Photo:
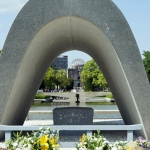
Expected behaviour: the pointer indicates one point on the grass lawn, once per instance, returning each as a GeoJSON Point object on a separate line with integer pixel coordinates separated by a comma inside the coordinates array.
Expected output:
{"type": "Point", "coordinates": [100, 103]}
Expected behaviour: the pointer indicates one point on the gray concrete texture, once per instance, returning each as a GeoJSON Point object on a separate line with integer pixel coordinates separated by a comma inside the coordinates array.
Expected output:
{"type": "Point", "coordinates": [45, 29]}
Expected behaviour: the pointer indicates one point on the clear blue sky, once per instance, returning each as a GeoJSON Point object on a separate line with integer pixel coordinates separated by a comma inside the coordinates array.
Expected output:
{"type": "Point", "coordinates": [137, 13]}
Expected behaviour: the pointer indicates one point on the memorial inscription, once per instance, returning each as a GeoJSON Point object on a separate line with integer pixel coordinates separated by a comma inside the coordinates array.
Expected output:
{"type": "Point", "coordinates": [73, 116]}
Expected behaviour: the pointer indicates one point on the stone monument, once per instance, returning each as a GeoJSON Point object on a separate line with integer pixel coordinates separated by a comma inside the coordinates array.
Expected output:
{"type": "Point", "coordinates": [45, 29]}
{"type": "Point", "coordinates": [73, 116]}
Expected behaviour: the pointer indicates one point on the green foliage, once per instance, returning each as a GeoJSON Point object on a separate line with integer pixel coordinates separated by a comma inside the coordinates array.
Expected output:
{"type": "Point", "coordinates": [43, 139]}
{"type": "Point", "coordinates": [96, 141]}
{"type": "Point", "coordinates": [88, 86]}
{"type": "Point", "coordinates": [68, 84]}
{"type": "Point", "coordinates": [61, 76]}
{"type": "Point", "coordinates": [53, 66]}
{"type": "Point", "coordinates": [110, 96]}
{"type": "Point", "coordinates": [40, 96]}
{"type": "Point", "coordinates": [100, 103]}
{"type": "Point", "coordinates": [62, 81]}
{"type": "Point", "coordinates": [146, 62]}
{"type": "Point", "coordinates": [92, 77]}
{"type": "Point", "coordinates": [49, 78]}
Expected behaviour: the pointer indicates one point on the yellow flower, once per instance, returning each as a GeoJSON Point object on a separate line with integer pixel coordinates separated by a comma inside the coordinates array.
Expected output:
{"type": "Point", "coordinates": [43, 139]}
{"type": "Point", "coordinates": [55, 146]}
{"type": "Point", "coordinates": [83, 138]}
{"type": "Point", "coordinates": [43, 142]}
{"type": "Point", "coordinates": [129, 148]}
{"type": "Point", "coordinates": [54, 141]}
{"type": "Point", "coordinates": [44, 146]}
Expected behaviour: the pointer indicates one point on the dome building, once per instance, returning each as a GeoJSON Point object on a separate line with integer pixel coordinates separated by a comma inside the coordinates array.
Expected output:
{"type": "Point", "coordinates": [74, 72]}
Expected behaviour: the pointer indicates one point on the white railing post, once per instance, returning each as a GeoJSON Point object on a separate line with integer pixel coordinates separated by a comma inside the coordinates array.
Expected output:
{"type": "Point", "coordinates": [89, 133]}
{"type": "Point", "coordinates": [129, 135]}
{"type": "Point", "coordinates": [7, 135]}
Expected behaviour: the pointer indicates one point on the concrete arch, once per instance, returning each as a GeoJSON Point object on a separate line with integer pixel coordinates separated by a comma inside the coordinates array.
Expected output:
{"type": "Point", "coordinates": [45, 29]}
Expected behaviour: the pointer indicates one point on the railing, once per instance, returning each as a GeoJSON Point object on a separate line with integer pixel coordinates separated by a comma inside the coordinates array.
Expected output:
{"type": "Point", "coordinates": [95, 112]}
{"type": "Point", "coordinates": [87, 128]}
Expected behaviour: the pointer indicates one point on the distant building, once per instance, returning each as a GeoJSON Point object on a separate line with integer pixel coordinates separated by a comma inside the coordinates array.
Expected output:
{"type": "Point", "coordinates": [61, 62]}
{"type": "Point", "coordinates": [74, 72]}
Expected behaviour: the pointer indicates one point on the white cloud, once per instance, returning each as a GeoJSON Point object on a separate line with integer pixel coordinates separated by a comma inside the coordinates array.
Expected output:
{"type": "Point", "coordinates": [11, 5]}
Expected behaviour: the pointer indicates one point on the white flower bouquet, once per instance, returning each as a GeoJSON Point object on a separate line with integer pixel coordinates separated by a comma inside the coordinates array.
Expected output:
{"type": "Point", "coordinates": [119, 145]}
{"type": "Point", "coordinates": [44, 139]}
{"type": "Point", "coordinates": [98, 142]}
{"type": "Point", "coordinates": [95, 142]}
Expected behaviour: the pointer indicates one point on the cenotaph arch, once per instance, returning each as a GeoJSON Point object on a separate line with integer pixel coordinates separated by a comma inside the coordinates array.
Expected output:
{"type": "Point", "coordinates": [45, 29]}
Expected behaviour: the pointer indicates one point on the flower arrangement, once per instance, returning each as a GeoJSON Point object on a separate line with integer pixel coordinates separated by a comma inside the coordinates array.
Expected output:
{"type": "Point", "coordinates": [98, 142]}
{"type": "Point", "coordinates": [19, 142]}
{"type": "Point", "coordinates": [95, 142]}
{"type": "Point", "coordinates": [44, 139]}
{"type": "Point", "coordinates": [119, 145]}
{"type": "Point", "coordinates": [143, 142]}
{"type": "Point", "coordinates": [47, 139]}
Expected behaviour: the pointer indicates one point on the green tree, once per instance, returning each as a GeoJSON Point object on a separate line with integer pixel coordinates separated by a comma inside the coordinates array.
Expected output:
{"type": "Point", "coordinates": [61, 76]}
{"type": "Point", "coordinates": [146, 62]}
{"type": "Point", "coordinates": [68, 84]}
{"type": "Point", "coordinates": [53, 66]}
{"type": "Point", "coordinates": [49, 78]}
{"type": "Point", "coordinates": [102, 81]}
{"type": "Point", "coordinates": [92, 77]}
{"type": "Point", "coordinates": [0, 52]}
{"type": "Point", "coordinates": [59, 79]}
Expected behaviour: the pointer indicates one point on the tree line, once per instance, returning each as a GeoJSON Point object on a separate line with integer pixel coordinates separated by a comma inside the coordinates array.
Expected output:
{"type": "Point", "coordinates": [91, 76]}
{"type": "Point", "coordinates": [57, 80]}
